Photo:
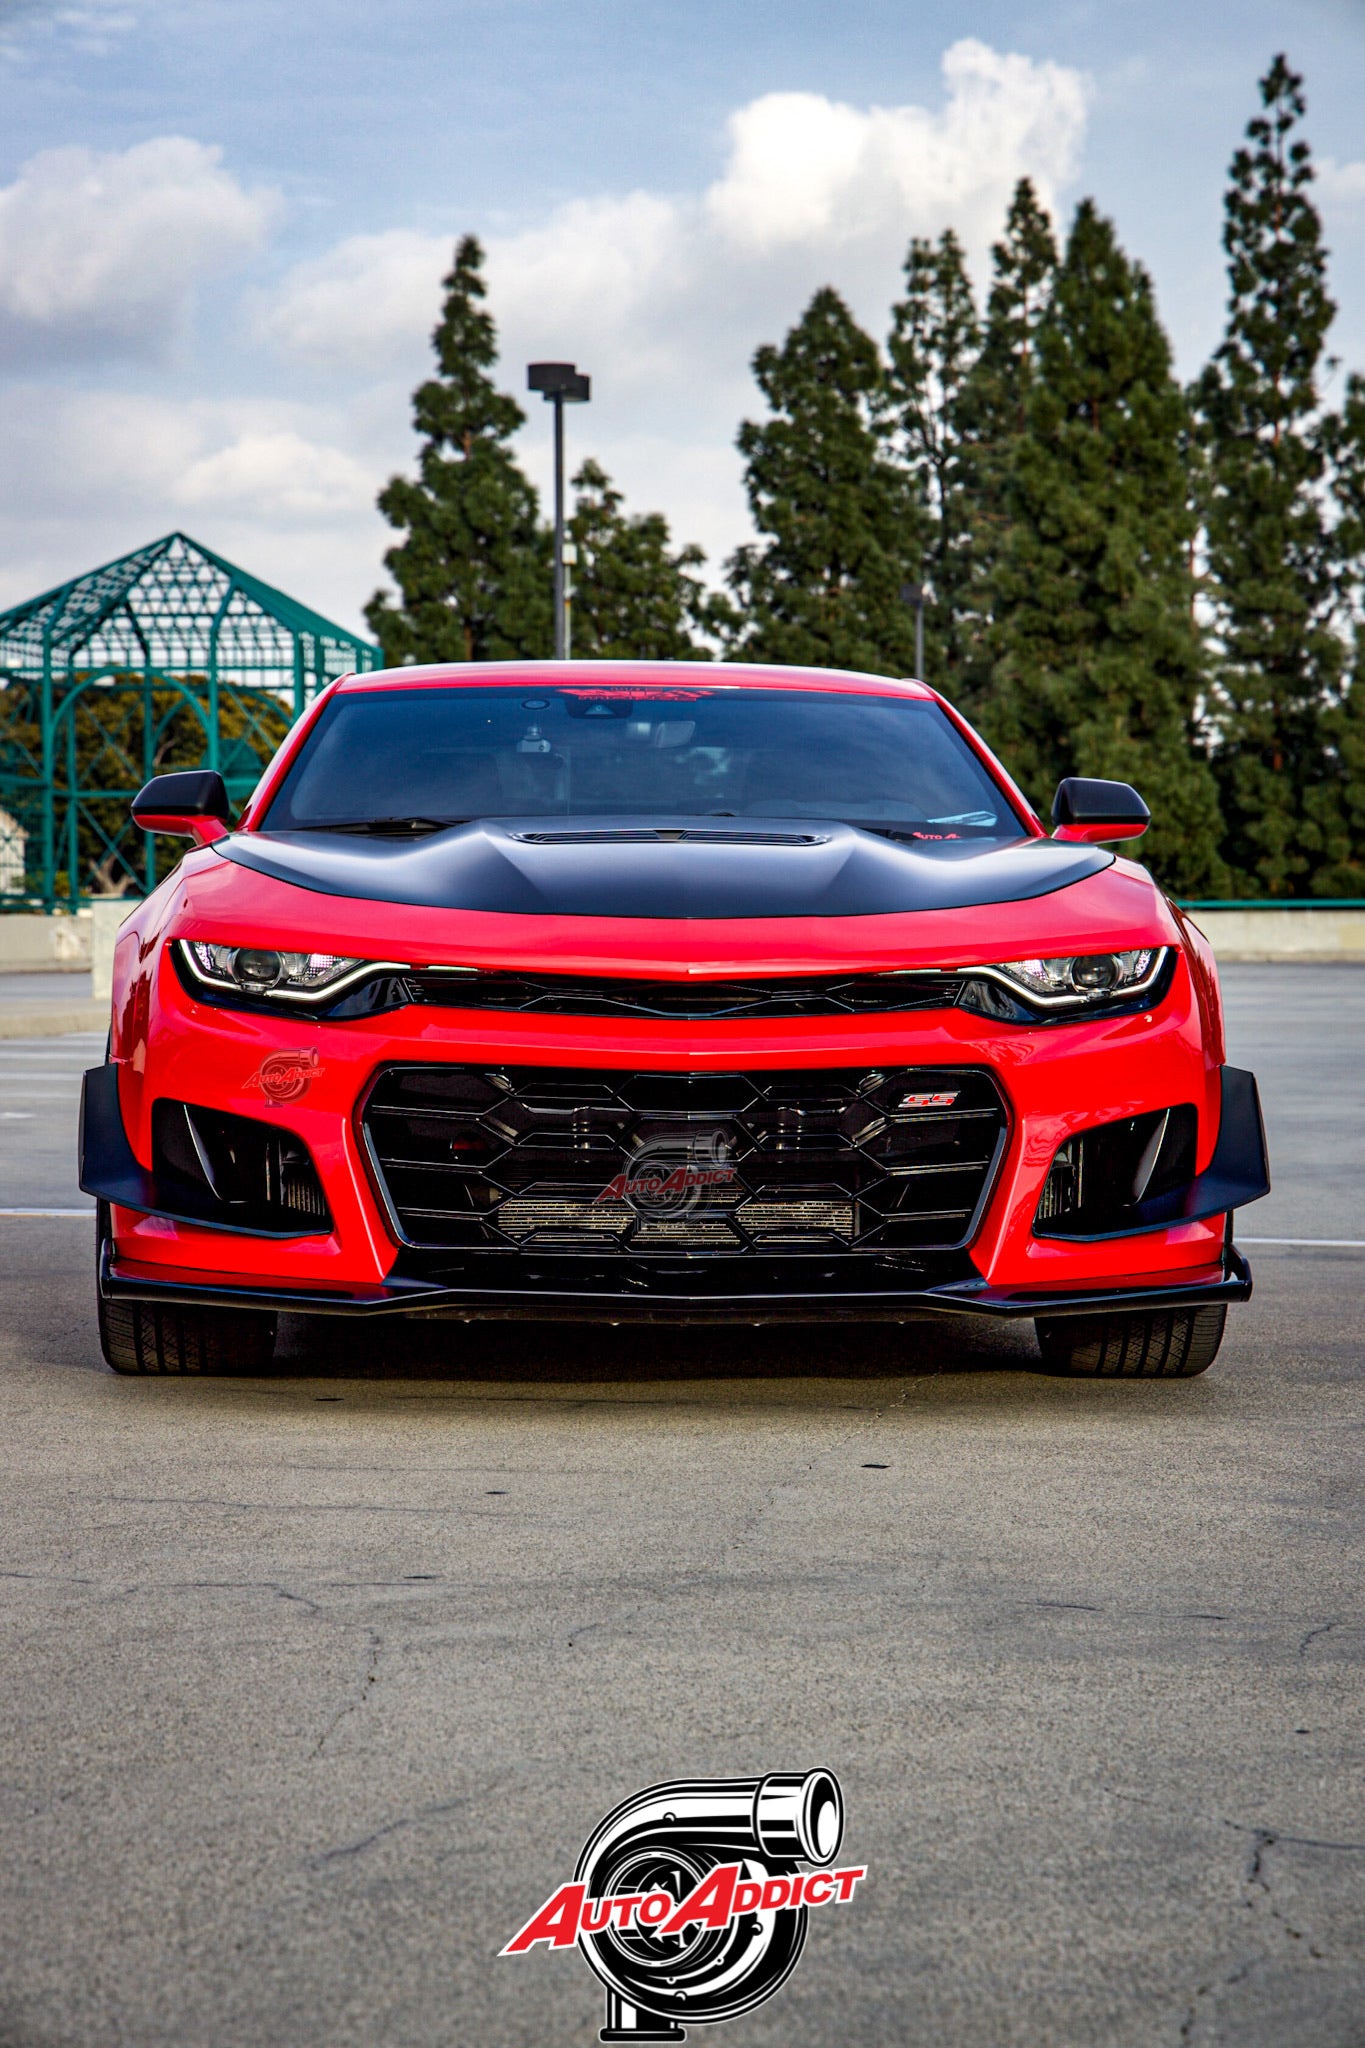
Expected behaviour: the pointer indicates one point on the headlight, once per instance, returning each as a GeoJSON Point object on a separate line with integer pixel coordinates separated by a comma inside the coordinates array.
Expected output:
{"type": "Point", "coordinates": [262, 971]}
{"type": "Point", "coordinates": [1071, 982]}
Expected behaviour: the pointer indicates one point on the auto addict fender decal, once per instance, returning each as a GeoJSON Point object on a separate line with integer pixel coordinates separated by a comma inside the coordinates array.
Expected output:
{"type": "Point", "coordinates": [285, 1076]}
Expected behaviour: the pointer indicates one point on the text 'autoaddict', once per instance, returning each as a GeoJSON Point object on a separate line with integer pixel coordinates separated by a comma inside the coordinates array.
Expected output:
{"type": "Point", "coordinates": [722, 1897]}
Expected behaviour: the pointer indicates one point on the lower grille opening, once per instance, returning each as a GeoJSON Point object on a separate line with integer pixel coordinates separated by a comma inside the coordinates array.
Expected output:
{"type": "Point", "coordinates": [1125, 1175]}
{"type": "Point", "coordinates": [254, 1173]}
{"type": "Point", "coordinates": [740, 1165]}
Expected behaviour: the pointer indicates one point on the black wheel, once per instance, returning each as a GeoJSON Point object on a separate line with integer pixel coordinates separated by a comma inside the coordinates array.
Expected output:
{"type": "Point", "coordinates": [1173, 1344]}
{"type": "Point", "coordinates": [149, 1336]}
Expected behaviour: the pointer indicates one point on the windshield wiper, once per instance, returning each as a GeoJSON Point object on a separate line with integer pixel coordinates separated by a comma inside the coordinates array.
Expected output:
{"type": "Point", "coordinates": [388, 828]}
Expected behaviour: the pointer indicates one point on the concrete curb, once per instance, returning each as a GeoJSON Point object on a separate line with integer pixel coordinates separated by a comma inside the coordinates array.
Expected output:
{"type": "Point", "coordinates": [17, 1022]}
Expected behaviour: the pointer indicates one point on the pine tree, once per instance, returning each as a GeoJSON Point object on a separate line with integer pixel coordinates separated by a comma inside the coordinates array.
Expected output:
{"type": "Point", "coordinates": [1271, 554]}
{"type": "Point", "coordinates": [1336, 805]}
{"type": "Point", "coordinates": [635, 597]}
{"type": "Point", "coordinates": [991, 417]}
{"type": "Point", "coordinates": [823, 588]}
{"type": "Point", "coordinates": [994, 402]}
{"type": "Point", "coordinates": [1099, 668]}
{"type": "Point", "coordinates": [473, 574]}
{"type": "Point", "coordinates": [932, 350]}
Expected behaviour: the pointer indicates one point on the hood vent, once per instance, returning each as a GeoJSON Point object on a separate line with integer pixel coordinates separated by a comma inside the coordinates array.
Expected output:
{"type": "Point", "coordinates": [655, 835]}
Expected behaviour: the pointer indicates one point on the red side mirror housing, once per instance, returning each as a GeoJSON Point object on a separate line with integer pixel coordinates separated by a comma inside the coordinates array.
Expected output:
{"type": "Point", "coordinates": [1093, 812]}
{"type": "Point", "coordinates": [191, 805]}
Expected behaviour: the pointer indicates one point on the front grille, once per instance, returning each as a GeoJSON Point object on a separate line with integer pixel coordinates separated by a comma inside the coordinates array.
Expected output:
{"type": "Point", "coordinates": [611, 996]}
{"type": "Point", "coordinates": [791, 1162]}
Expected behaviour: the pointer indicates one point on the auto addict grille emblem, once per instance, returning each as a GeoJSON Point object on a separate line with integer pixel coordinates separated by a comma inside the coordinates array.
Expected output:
{"type": "Point", "coordinates": [943, 1099]}
{"type": "Point", "coordinates": [690, 1902]}
{"type": "Point", "coordinates": [667, 1177]}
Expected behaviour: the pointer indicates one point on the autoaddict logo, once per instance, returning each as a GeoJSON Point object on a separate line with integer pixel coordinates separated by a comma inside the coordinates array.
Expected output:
{"type": "Point", "coordinates": [585, 695]}
{"type": "Point", "coordinates": [285, 1076]}
{"type": "Point", "coordinates": [669, 1177]}
{"type": "Point", "coordinates": [690, 1903]}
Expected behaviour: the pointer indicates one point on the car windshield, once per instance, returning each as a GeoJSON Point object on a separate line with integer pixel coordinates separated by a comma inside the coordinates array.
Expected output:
{"type": "Point", "coordinates": [421, 758]}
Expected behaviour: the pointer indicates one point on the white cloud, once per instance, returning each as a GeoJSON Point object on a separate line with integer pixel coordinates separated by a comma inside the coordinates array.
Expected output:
{"type": "Point", "coordinates": [279, 473]}
{"type": "Point", "coordinates": [369, 298]}
{"type": "Point", "coordinates": [808, 170]}
{"type": "Point", "coordinates": [91, 25]}
{"type": "Point", "coordinates": [273, 486]}
{"type": "Point", "coordinates": [1340, 184]}
{"type": "Point", "coordinates": [100, 253]}
{"type": "Point", "coordinates": [813, 191]}
{"type": "Point", "coordinates": [663, 297]}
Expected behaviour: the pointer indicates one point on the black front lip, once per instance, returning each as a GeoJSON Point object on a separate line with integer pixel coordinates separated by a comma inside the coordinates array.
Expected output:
{"type": "Point", "coordinates": [952, 1298]}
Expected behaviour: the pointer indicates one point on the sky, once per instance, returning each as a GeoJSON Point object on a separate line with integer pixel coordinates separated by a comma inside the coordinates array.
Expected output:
{"type": "Point", "coordinates": [224, 223]}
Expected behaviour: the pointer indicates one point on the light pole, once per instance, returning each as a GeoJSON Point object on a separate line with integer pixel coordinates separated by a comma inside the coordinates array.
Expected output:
{"type": "Point", "coordinates": [919, 595]}
{"type": "Point", "coordinates": [560, 384]}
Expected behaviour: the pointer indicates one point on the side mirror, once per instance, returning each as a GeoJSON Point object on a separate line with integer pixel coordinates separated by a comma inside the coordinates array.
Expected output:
{"type": "Point", "coordinates": [1092, 812]}
{"type": "Point", "coordinates": [193, 805]}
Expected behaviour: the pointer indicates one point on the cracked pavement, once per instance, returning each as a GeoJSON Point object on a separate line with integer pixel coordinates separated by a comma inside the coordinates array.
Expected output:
{"type": "Point", "coordinates": [313, 1685]}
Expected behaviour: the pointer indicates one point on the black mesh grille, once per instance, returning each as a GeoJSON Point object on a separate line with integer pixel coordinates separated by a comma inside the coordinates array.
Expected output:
{"type": "Point", "coordinates": [896, 1159]}
{"type": "Point", "coordinates": [611, 996]}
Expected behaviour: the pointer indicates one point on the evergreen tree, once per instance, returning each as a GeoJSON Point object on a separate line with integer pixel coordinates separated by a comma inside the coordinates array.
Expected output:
{"type": "Point", "coordinates": [991, 417]}
{"type": "Point", "coordinates": [635, 597]}
{"type": "Point", "coordinates": [823, 587]}
{"type": "Point", "coordinates": [473, 574]}
{"type": "Point", "coordinates": [1336, 808]}
{"type": "Point", "coordinates": [1336, 805]}
{"type": "Point", "coordinates": [994, 404]}
{"type": "Point", "coordinates": [1099, 668]}
{"type": "Point", "coordinates": [932, 349]}
{"type": "Point", "coordinates": [1271, 554]}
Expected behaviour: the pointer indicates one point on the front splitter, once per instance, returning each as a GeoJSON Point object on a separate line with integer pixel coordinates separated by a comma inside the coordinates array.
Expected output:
{"type": "Point", "coordinates": [475, 1304]}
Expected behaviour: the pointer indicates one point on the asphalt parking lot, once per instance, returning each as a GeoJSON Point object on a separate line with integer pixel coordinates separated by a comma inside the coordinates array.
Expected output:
{"type": "Point", "coordinates": [305, 1713]}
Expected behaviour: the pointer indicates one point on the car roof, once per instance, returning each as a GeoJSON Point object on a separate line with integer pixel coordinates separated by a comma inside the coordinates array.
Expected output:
{"type": "Point", "coordinates": [647, 675]}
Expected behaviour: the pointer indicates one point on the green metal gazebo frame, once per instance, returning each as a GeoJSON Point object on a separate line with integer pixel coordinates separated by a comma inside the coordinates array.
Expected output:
{"type": "Point", "coordinates": [168, 657]}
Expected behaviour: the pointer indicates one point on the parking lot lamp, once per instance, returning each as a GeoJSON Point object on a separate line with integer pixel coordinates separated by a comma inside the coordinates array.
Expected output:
{"type": "Point", "coordinates": [560, 384]}
{"type": "Point", "coordinates": [919, 595]}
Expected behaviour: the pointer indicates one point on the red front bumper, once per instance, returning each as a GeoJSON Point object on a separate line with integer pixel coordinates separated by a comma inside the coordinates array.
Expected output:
{"type": "Point", "coordinates": [1055, 1079]}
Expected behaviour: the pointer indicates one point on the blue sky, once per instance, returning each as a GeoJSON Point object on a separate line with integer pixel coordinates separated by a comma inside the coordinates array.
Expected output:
{"type": "Point", "coordinates": [223, 224]}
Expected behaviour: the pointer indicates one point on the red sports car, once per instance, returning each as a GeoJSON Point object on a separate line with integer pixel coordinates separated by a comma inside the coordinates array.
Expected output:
{"type": "Point", "coordinates": [667, 992]}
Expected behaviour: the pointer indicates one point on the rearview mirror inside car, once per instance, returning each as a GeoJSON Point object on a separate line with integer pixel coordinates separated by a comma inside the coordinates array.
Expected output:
{"type": "Point", "coordinates": [1091, 811]}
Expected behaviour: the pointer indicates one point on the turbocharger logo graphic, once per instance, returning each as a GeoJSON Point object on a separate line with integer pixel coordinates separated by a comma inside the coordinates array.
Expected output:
{"type": "Point", "coordinates": [689, 1900]}
{"type": "Point", "coordinates": [285, 1076]}
{"type": "Point", "coordinates": [669, 1178]}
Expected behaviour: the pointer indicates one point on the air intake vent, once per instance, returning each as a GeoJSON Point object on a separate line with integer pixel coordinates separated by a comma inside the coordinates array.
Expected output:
{"type": "Point", "coordinates": [253, 1174]}
{"type": "Point", "coordinates": [669, 835]}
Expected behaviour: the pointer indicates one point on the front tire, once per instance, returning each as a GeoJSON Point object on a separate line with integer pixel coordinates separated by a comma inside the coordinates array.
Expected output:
{"type": "Point", "coordinates": [157, 1337]}
{"type": "Point", "coordinates": [1172, 1344]}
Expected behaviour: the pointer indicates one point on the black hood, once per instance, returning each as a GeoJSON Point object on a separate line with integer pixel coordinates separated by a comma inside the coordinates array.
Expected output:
{"type": "Point", "coordinates": [623, 867]}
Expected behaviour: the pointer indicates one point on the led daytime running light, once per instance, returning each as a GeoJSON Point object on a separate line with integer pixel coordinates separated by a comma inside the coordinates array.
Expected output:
{"type": "Point", "coordinates": [281, 975]}
{"type": "Point", "coordinates": [1081, 980]}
